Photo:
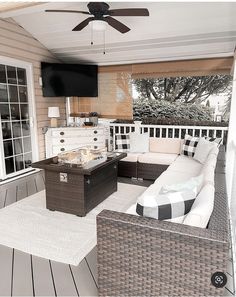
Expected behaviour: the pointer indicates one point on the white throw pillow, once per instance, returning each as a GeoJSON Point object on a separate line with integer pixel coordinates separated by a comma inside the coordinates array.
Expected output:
{"type": "Point", "coordinates": [202, 208]}
{"type": "Point", "coordinates": [203, 149]}
{"type": "Point", "coordinates": [193, 182]}
{"type": "Point", "coordinates": [139, 143]}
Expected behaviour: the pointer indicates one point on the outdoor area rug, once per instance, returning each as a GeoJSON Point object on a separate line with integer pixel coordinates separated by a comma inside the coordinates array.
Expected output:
{"type": "Point", "coordinates": [29, 227]}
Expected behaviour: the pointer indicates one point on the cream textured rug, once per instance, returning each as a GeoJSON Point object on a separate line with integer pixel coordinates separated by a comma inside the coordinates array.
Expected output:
{"type": "Point", "coordinates": [29, 227]}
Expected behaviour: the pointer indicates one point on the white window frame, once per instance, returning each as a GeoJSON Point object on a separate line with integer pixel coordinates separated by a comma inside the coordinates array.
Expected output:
{"type": "Point", "coordinates": [32, 115]}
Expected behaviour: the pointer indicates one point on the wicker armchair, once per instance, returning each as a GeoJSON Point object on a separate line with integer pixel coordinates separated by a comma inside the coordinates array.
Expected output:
{"type": "Point", "coordinates": [139, 256]}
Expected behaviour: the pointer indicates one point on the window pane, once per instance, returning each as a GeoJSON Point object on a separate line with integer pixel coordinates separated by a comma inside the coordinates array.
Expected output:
{"type": "Point", "coordinates": [6, 130]}
{"type": "Point", "coordinates": [24, 111]}
{"type": "Point", "coordinates": [2, 74]}
{"type": "Point", "coordinates": [16, 129]}
{"type": "Point", "coordinates": [9, 165]}
{"type": "Point", "coordinates": [11, 74]}
{"type": "Point", "coordinates": [19, 163]}
{"type": "Point", "coordinates": [3, 93]}
{"type": "Point", "coordinates": [13, 94]}
{"type": "Point", "coordinates": [25, 128]}
{"type": "Point", "coordinates": [4, 111]}
{"type": "Point", "coordinates": [27, 144]}
{"type": "Point", "coordinates": [18, 149]}
{"type": "Point", "coordinates": [23, 94]}
{"type": "Point", "coordinates": [8, 150]}
{"type": "Point", "coordinates": [21, 73]}
{"type": "Point", "coordinates": [28, 160]}
{"type": "Point", "coordinates": [15, 112]}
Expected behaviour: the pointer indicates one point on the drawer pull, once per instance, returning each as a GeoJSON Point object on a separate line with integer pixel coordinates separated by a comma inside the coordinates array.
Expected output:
{"type": "Point", "coordinates": [95, 139]}
{"type": "Point", "coordinates": [62, 140]}
{"type": "Point", "coordinates": [62, 133]}
{"type": "Point", "coordinates": [95, 132]}
{"type": "Point", "coordinates": [95, 147]}
{"type": "Point", "coordinates": [62, 149]}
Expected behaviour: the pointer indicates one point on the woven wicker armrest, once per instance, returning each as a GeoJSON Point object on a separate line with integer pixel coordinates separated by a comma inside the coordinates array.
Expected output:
{"type": "Point", "coordinates": [139, 256]}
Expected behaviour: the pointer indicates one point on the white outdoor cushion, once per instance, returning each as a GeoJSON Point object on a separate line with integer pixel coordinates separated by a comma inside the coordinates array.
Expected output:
{"type": "Point", "coordinates": [165, 145]}
{"type": "Point", "coordinates": [166, 178]}
{"type": "Point", "coordinates": [139, 143]}
{"type": "Point", "coordinates": [203, 148]}
{"type": "Point", "coordinates": [186, 164]}
{"type": "Point", "coordinates": [193, 182]}
{"type": "Point", "coordinates": [202, 208]}
{"type": "Point", "coordinates": [157, 158]}
{"type": "Point", "coordinates": [131, 157]}
{"type": "Point", "coordinates": [209, 174]}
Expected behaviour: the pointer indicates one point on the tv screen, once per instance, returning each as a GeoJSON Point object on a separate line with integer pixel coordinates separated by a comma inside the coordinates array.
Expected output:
{"type": "Point", "coordinates": [69, 80]}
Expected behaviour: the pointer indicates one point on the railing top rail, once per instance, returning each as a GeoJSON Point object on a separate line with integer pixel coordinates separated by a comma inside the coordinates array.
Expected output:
{"type": "Point", "coordinates": [170, 126]}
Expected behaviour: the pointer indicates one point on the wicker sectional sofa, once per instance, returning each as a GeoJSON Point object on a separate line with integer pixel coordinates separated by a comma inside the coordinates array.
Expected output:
{"type": "Point", "coordinates": [140, 256]}
{"type": "Point", "coordinates": [150, 165]}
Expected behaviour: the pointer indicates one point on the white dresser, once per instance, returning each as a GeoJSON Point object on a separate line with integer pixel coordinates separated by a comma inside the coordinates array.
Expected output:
{"type": "Point", "coordinates": [58, 140]}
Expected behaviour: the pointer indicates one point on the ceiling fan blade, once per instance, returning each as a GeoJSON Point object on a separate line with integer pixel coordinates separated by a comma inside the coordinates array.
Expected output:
{"type": "Point", "coordinates": [116, 24]}
{"type": "Point", "coordinates": [83, 24]}
{"type": "Point", "coordinates": [129, 12]}
{"type": "Point", "coordinates": [70, 11]}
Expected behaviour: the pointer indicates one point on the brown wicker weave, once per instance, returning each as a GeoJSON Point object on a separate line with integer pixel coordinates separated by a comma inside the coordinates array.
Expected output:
{"type": "Point", "coordinates": [127, 169]}
{"type": "Point", "coordinates": [139, 256]}
{"type": "Point", "coordinates": [150, 171]}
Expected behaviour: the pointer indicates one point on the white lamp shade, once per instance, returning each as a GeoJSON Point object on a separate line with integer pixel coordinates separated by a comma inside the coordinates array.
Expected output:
{"type": "Point", "coordinates": [53, 112]}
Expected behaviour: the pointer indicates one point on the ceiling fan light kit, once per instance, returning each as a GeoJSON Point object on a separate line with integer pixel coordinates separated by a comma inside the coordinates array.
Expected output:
{"type": "Point", "coordinates": [98, 25]}
{"type": "Point", "coordinates": [99, 11]}
{"type": "Point", "coordinates": [100, 15]}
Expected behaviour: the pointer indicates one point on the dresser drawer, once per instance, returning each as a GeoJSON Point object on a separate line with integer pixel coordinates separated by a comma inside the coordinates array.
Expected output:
{"type": "Point", "coordinates": [77, 140]}
{"type": "Point", "coordinates": [60, 149]}
{"type": "Point", "coordinates": [77, 132]}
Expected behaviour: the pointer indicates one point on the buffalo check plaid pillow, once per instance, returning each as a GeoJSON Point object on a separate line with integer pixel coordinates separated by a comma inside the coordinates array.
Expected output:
{"type": "Point", "coordinates": [166, 206]}
{"type": "Point", "coordinates": [122, 142]}
{"type": "Point", "coordinates": [189, 145]}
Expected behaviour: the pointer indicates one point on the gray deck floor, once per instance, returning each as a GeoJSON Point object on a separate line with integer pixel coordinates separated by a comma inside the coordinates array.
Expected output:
{"type": "Point", "coordinates": [22, 274]}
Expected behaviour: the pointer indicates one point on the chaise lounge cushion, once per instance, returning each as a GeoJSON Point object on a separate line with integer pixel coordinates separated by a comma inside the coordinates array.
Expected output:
{"type": "Point", "coordinates": [157, 158]}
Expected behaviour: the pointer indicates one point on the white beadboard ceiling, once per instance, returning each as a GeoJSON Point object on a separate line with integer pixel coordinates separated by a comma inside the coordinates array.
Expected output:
{"type": "Point", "coordinates": [177, 30]}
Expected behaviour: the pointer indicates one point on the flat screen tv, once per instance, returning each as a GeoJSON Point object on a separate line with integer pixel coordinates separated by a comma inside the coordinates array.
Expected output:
{"type": "Point", "coordinates": [65, 80]}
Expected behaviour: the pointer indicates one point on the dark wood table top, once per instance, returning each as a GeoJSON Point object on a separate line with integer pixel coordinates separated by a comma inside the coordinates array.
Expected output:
{"type": "Point", "coordinates": [48, 164]}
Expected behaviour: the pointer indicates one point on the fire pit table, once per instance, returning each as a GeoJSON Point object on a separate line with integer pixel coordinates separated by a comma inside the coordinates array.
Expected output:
{"type": "Point", "coordinates": [76, 189]}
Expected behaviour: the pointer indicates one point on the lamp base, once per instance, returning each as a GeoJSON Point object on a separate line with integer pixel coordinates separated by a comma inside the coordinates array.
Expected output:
{"type": "Point", "coordinates": [53, 122]}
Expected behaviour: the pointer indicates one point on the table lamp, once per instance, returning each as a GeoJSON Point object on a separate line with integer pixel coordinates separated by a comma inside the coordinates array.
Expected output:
{"type": "Point", "coordinates": [53, 113]}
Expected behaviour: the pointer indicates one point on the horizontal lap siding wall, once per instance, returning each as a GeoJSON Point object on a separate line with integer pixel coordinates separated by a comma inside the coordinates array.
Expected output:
{"type": "Point", "coordinates": [17, 43]}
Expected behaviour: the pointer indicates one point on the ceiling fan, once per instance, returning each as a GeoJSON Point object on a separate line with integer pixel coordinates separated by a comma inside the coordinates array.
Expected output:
{"type": "Point", "coordinates": [99, 11]}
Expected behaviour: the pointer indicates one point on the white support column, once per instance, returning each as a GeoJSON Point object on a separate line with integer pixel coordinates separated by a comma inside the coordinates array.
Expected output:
{"type": "Point", "coordinates": [231, 151]}
{"type": "Point", "coordinates": [231, 167]}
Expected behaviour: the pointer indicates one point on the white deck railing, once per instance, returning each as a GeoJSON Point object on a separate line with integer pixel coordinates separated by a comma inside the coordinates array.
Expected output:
{"type": "Point", "coordinates": [169, 131]}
